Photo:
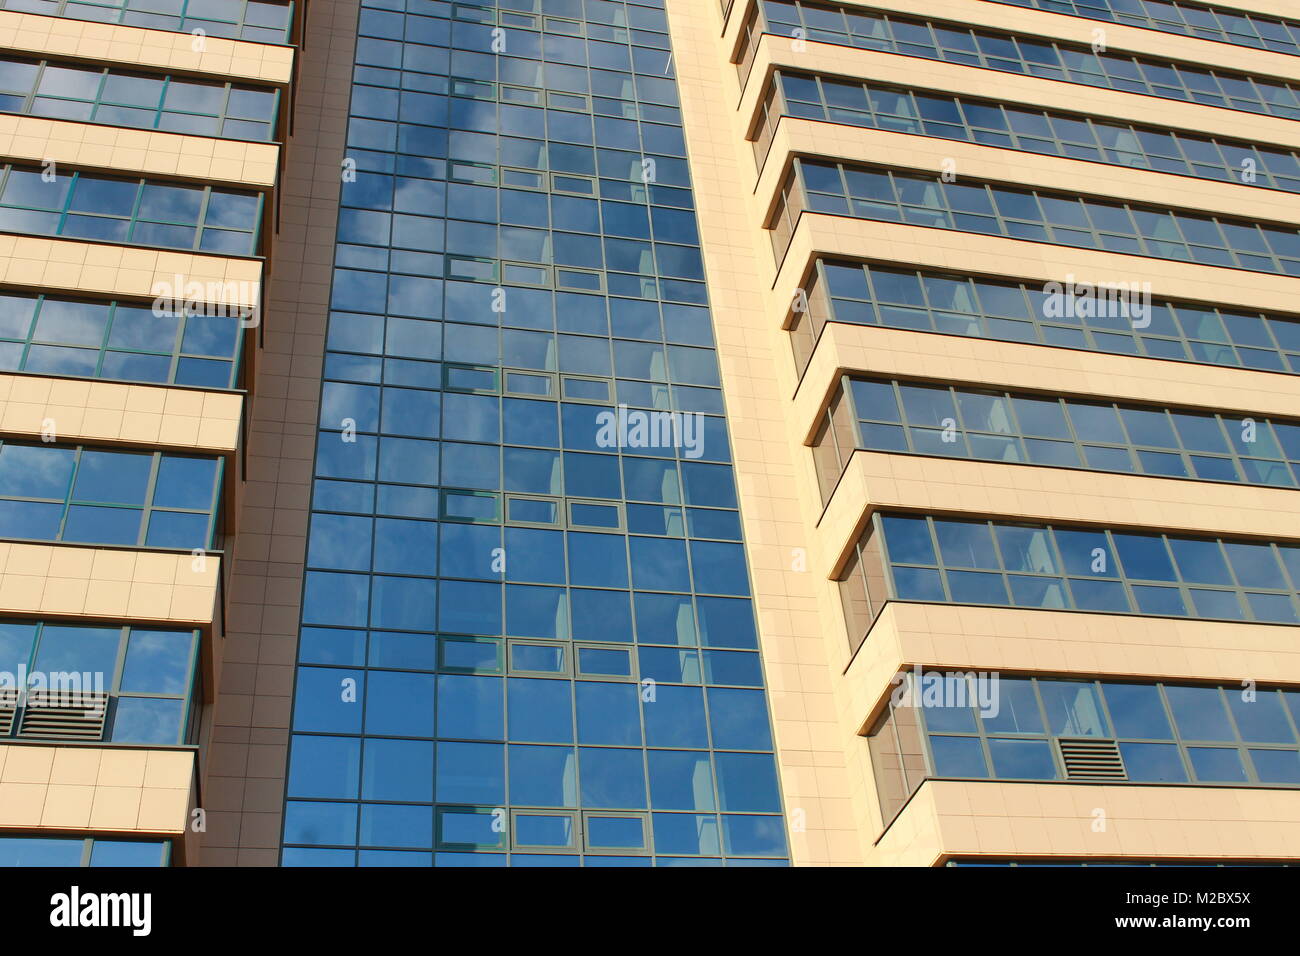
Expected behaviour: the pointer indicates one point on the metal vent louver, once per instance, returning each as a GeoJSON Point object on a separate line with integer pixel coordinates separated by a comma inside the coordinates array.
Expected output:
{"type": "Point", "coordinates": [1091, 759]}
{"type": "Point", "coordinates": [8, 708]}
{"type": "Point", "coordinates": [64, 715]}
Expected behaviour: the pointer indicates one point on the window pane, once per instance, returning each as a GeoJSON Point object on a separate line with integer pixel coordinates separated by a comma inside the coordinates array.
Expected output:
{"type": "Point", "coordinates": [1199, 713]}
{"type": "Point", "coordinates": [1137, 711]}
{"type": "Point", "coordinates": [957, 757]}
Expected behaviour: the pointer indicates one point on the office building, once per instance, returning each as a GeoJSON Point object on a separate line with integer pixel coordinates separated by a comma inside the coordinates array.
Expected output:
{"type": "Point", "coordinates": [649, 432]}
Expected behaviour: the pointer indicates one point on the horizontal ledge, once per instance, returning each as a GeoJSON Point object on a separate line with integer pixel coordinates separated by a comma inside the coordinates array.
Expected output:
{"type": "Point", "coordinates": [141, 47]}
{"type": "Point", "coordinates": [877, 481]}
{"type": "Point", "coordinates": [1001, 819]}
{"type": "Point", "coordinates": [119, 413]}
{"type": "Point", "coordinates": [822, 235]}
{"type": "Point", "coordinates": [906, 354]}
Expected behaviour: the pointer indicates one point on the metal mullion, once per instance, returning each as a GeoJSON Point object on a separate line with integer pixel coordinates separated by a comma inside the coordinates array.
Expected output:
{"type": "Point", "coordinates": [1239, 745]}
{"type": "Point", "coordinates": [1184, 589]}
{"type": "Point", "coordinates": [819, 281]}
{"type": "Point", "coordinates": [1177, 733]}
{"type": "Point", "coordinates": [892, 724]}
{"type": "Point", "coordinates": [855, 416]}
{"type": "Point", "coordinates": [1268, 325]}
{"type": "Point", "coordinates": [1290, 718]}
{"type": "Point", "coordinates": [192, 678]}
{"type": "Point", "coordinates": [1064, 574]}
{"type": "Point", "coordinates": [963, 432]}
{"type": "Point", "coordinates": [1002, 567]}
{"type": "Point", "coordinates": [67, 494]}
{"type": "Point", "coordinates": [1182, 153]}
{"type": "Point", "coordinates": [147, 506]}
{"type": "Point", "coordinates": [29, 99]}
{"type": "Point", "coordinates": [223, 112]}
{"type": "Point", "coordinates": [67, 200]}
{"type": "Point", "coordinates": [844, 186]}
{"type": "Point", "coordinates": [1019, 432]}
{"type": "Point", "coordinates": [1236, 587]}
{"type": "Point", "coordinates": [361, 738]}
{"type": "Point", "coordinates": [1119, 573]}
{"type": "Point", "coordinates": [940, 564]}
{"type": "Point", "coordinates": [182, 318]}
{"type": "Point", "coordinates": [162, 98]}
{"type": "Point", "coordinates": [966, 125]}
{"type": "Point", "coordinates": [119, 663]}
{"type": "Point", "coordinates": [1096, 142]}
{"type": "Point", "coordinates": [214, 501]}
{"type": "Point", "coordinates": [985, 749]}
{"type": "Point", "coordinates": [1233, 455]}
{"type": "Point", "coordinates": [37, 633]}
{"type": "Point", "coordinates": [923, 730]}
{"type": "Point", "coordinates": [1240, 742]}
{"type": "Point", "coordinates": [903, 419]}
{"type": "Point", "coordinates": [103, 344]}
{"type": "Point", "coordinates": [203, 215]}
{"type": "Point", "coordinates": [135, 206]}
{"type": "Point", "coordinates": [28, 337]}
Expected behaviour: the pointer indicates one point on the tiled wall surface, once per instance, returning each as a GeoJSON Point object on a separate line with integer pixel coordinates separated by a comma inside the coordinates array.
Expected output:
{"type": "Point", "coordinates": [32, 262]}
{"type": "Point", "coordinates": [117, 792]}
{"type": "Point", "coordinates": [245, 786]}
{"type": "Point", "coordinates": [906, 354]}
{"type": "Point", "coordinates": [823, 697]}
{"type": "Point", "coordinates": [117, 789]}
{"type": "Point", "coordinates": [922, 74]}
{"type": "Point", "coordinates": [112, 149]}
{"type": "Point", "coordinates": [108, 42]}
{"type": "Point", "coordinates": [119, 413]}
{"type": "Point", "coordinates": [581, 745]}
{"type": "Point", "coordinates": [904, 151]}
{"type": "Point", "coordinates": [875, 481]}
{"type": "Point", "coordinates": [1004, 18]}
{"type": "Point", "coordinates": [960, 818]}
{"type": "Point", "coordinates": [62, 580]}
{"type": "Point", "coordinates": [797, 618]}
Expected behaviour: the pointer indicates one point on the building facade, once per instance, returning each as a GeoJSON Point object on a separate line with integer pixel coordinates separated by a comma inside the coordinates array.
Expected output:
{"type": "Point", "coordinates": [649, 432]}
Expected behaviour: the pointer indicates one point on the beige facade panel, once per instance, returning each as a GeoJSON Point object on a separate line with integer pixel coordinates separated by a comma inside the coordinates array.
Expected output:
{"type": "Point", "coordinates": [821, 235]}
{"type": "Point", "coordinates": [95, 791]}
{"type": "Point", "coordinates": [245, 766]}
{"type": "Point", "coordinates": [1005, 18]}
{"type": "Point", "coordinates": [979, 83]}
{"type": "Point", "coordinates": [1279, 9]}
{"type": "Point", "coordinates": [793, 632]}
{"type": "Point", "coordinates": [820, 699]}
{"type": "Point", "coordinates": [1036, 641]}
{"type": "Point", "coordinates": [875, 481]}
{"type": "Point", "coordinates": [156, 416]}
{"type": "Point", "coordinates": [927, 155]}
{"type": "Point", "coordinates": [111, 44]}
{"type": "Point", "coordinates": [131, 586]}
{"type": "Point", "coordinates": [92, 268]}
{"type": "Point", "coordinates": [138, 152]}
{"type": "Point", "coordinates": [957, 360]}
{"type": "Point", "coordinates": [1050, 642]}
{"type": "Point", "coordinates": [947, 818]}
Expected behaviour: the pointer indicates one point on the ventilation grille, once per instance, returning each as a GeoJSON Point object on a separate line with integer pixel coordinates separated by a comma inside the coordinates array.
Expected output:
{"type": "Point", "coordinates": [8, 709]}
{"type": "Point", "coordinates": [1091, 759]}
{"type": "Point", "coordinates": [64, 715]}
